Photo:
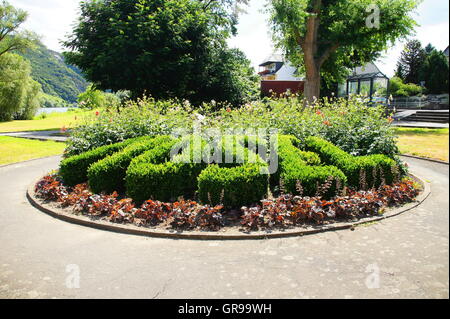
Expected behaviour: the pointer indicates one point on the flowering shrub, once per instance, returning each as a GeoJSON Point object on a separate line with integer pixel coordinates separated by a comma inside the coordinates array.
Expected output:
{"type": "Point", "coordinates": [281, 212]}
{"type": "Point", "coordinates": [352, 125]}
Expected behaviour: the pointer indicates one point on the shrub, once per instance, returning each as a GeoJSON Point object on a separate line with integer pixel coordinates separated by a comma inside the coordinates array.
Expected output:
{"type": "Point", "coordinates": [352, 125]}
{"type": "Point", "coordinates": [150, 176]}
{"type": "Point", "coordinates": [398, 88]}
{"type": "Point", "coordinates": [108, 174]}
{"type": "Point", "coordinates": [74, 169]}
{"type": "Point", "coordinates": [233, 187]}
{"type": "Point", "coordinates": [362, 172]}
{"type": "Point", "coordinates": [297, 177]}
{"type": "Point", "coordinates": [165, 182]}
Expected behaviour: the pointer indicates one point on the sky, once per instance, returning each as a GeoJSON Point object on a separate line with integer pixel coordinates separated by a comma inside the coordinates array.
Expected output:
{"type": "Point", "coordinates": [53, 21]}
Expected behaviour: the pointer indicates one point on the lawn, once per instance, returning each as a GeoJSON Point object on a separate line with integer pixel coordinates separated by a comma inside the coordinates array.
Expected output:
{"type": "Point", "coordinates": [430, 143]}
{"type": "Point", "coordinates": [13, 150]}
{"type": "Point", "coordinates": [51, 122]}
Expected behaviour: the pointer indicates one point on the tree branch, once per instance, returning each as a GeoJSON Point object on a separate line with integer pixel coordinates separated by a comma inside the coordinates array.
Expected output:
{"type": "Point", "coordinates": [326, 54]}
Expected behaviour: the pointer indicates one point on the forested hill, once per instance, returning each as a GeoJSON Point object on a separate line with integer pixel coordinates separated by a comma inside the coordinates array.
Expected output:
{"type": "Point", "coordinates": [56, 77]}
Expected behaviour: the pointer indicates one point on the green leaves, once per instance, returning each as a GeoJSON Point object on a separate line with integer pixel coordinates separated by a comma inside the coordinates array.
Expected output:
{"type": "Point", "coordinates": [340, 37]}
{"type": "Point", "coordinates": [167, 49]}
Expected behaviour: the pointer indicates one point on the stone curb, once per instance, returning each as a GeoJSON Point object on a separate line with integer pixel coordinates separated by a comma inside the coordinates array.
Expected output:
{"type": "Point", "coordinates": [197, 235]}
{"type": "Point", "coordinates": [426, 159]}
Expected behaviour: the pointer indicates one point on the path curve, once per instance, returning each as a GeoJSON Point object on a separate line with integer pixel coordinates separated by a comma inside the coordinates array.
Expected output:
{"type": "Point", "coordinates": [40, 255]}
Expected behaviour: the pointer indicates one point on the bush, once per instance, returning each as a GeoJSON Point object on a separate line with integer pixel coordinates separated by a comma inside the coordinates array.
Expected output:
{"type": "Point", "coordinates": [352, 125]}
{"type": "Point", "coordinates": [362, 172]}
{"type": "Point", "coordinates": [108, 174]}
{"type": "Point", "coordinates": [74, 169]}
{"type": "Point", "coordinates": [297, 177]}
{"type": "Point", "coordinates": [399, 89]}
{"type": "Point", "coordinates": [233, 187]}
{"type": "Point", "coordinates": [150, 176]}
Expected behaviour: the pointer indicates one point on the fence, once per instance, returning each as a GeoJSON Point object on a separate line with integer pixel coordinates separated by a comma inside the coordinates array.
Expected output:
{"type": "Point", "coordinates": [432, 102]}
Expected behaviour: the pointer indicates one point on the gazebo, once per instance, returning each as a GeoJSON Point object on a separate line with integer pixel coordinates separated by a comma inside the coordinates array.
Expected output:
{"type": "Point", "coordinates": [368, 81]}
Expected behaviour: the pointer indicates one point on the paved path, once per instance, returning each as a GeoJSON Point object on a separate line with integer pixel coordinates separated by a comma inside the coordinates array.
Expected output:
{"type": "Point", "coordinates": [38, 135]}
{"type": "Point", "coordinates": [413, 124]}
{"type": "Point", "coordinates": [409, 253]}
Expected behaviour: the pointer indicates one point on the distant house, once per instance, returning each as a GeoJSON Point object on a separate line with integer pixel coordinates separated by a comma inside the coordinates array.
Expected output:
{"type": "Point", "coordinates": [279, 76]}
{"type": "Point", "coordinates": [446, 53]}
{"type": "Point", "coordinates": [365, 80]}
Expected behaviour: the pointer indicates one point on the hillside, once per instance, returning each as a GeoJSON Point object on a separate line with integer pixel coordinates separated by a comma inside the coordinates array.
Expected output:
{"type": "Point", "coordinates": [56, 77]}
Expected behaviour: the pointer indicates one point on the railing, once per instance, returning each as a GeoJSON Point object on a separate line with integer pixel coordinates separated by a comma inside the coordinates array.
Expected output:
{"type": "Point", "coordinates": [423, 102]}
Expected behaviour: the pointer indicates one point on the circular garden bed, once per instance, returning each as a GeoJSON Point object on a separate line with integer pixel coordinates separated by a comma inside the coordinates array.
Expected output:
{"type": "Point", "coordinates": [192, 187]}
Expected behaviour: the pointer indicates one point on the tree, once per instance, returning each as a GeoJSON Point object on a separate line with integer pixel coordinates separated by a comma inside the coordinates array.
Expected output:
{"type": "Point", "coordinates": [325, 36]}
{"type": "Point", "coordinates": [411, 60]}
{"type": "Point", "coordinates": [434, 72]}
{"type": "Point", "coordinates": [11, 38]}
{"type": "Point", "coordinates": [165, 48]}
{"type": "Point", "coordinates": [19, 93]}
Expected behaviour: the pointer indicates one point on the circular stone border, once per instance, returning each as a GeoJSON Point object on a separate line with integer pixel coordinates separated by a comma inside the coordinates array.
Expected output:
{"type": "Point", "coordinates": [426, 159]}
{"type": "Point", "coordinates": [62, 214]}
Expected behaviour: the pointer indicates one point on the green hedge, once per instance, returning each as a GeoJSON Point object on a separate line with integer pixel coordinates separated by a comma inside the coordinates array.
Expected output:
{"type": "Point", "coordinates": [374, 168]}
{"type": "Point", "coordinates": [234, 187]}
{"type": "Point", "coordinates": [294, 169]}
{"type": "Point", "coordinates": [152, 176]}
{"type": "Point", "coordinates": [74, 169]}
{"type": "Point", "coordinates": [108, 175]}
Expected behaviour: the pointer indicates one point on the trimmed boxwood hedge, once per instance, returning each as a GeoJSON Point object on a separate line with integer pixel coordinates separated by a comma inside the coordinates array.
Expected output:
{"type": "Point", "coordinates": [233, 187]}
{"type": "Point", "coordinates": [108, 175]}
{"type": "Point", "coordinates": [164, 168]}
{"type": "Point", "coordinates": [151, 176]}
{"type": "Point", "coordinates": [74, 169]}
{"type": "Point", "coordinates": [243, 182]}
{"type": "Point", "coordinates": [295, 167]}
{"type": "Point", "coordinates": [372, 167]}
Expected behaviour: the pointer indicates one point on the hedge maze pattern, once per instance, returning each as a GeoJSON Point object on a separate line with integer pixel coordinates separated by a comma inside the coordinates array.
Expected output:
{"type": "Point", "coordinates": [234, 171]}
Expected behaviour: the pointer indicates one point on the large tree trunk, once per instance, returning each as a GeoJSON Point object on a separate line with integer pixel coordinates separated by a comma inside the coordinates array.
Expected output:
{"type": "Point", "coordinates": [312, 85]}
{"type": "Point", "coordinates": [309, 45]}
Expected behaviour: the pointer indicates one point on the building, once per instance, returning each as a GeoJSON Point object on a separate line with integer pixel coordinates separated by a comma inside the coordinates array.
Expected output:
{"type": "Point", "coordinates": [366, 80]}
{"type": "Point", "coordinates": [446, 52]}
{"type": "Point", "coordinates": [279, 76]}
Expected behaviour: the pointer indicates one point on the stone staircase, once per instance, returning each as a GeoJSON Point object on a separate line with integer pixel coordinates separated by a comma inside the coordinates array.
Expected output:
{"type": "Point", "coordinates": [429, 116]}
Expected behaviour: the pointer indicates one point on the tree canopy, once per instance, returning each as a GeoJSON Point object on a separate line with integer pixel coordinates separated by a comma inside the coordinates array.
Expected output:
{"type": "Point", "coordinates": [435, 71]}
{"type": "Point", "coordinates": [324, 37]}
{"type": "Point", "coordinates": [11, 38]}
{"type": "Point", "coordinates": [165, 48]}
{"type": "Point", "coordinates": [19, 93]}
{"type": "Point", "coordinates": [410, 62]}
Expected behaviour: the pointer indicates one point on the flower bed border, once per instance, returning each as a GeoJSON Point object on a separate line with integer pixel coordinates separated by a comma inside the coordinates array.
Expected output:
{"type": "Point", "coordinates": [64, 215]}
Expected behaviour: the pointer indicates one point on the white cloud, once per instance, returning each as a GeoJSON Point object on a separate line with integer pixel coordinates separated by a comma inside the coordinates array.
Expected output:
{"type": "Point", "coordinates": [51, 19]}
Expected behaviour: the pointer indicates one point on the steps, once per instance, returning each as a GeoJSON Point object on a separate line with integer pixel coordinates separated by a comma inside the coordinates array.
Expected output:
{"type": "Point", "coordinates": [428, 116]}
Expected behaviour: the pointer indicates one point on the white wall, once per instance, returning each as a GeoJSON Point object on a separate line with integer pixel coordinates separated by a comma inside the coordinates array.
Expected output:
{"type": "Point", "coordinates": [287, 73]}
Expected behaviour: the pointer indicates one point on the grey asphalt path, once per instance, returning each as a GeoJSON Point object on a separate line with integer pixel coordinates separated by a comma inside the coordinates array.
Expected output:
{"type": "Point", "coordinates": [38, 135]}
{"type": "Point", "coordinates": [403, 257]}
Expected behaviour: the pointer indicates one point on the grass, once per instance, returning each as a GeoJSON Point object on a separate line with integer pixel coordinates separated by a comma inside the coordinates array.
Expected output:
{"type": "Point", "coordinates": [49, 122]}
{"type": "Point", "coordinates": [429, 143]}
{"type": "Point", "coordinates": [14, 150]}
